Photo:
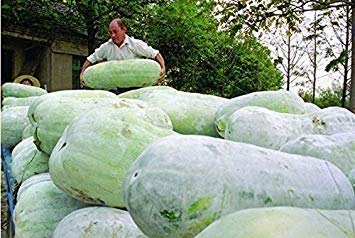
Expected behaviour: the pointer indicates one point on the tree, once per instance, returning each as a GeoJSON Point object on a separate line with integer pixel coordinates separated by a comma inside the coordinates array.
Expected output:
{"type": "Point", "coordinates": [313, 49]}
{"type": "Point", "coordinates": [44, 17]}
{"type": "Point", "coordinates": [260, 14]}
{"type": "Point", "coordinates": [326, 97]}
{"type": "Point", "coordinates": [88, 17]}
{"type": "Point", "coordinates": [98, 13]}
{"type": "Point", "coordinates": [287, 51]}
{"type": "Point", "coordinates": [201, 58]}
{"type": "Point", "coordinates": [338, 50]}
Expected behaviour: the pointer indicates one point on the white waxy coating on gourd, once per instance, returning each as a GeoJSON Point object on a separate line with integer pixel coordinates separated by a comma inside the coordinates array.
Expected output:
{"type": "Point", "coordinates": [28, 131]}
{"type": "Point", "coordinates": [20, 90]}
{"type": "Point", "coordinates": [351, 177]}
{"type": "Point", "coordinates": [122, 74]}
{"type": "Point", "coordinates": [270, 129]}
{"type": "Point", "coordinates": [332, 120]}
{"type": "Point", "coordinates": [53, 115]}
{"type": "Point", "coordinates": [144, 92]}
{"type": "Point", "coordinates": [70, 94]}
{"type": "Point", "coordinates": [93, 222]}
{"type": "Point", "coordinates": [21, 146]}
{"type": "Point", "coordinates": [40, 208]}
{"type": "Point", "coordinates": [28, 160]}
{"type": "Point", "coordinates": [279, 101]}
{"type": "Point", "coordinates": [337, 148]}
{"type": "Point", "coordinates": [13, 101]}
{"type": "Point", "coordinates": [190, 113]}
{"type": "Point", "coordinates": [30, 181]}
{"type": "Point", "coordinates": [181, 184]}
{"type": "Point", "coordinates": [310, 107]}
{"type": "Point", "coordinates": [13, 121]}
{"type": "Point", "coordinates": [281, 222]}
{"type": "Point", "coordinates": [94, 153]}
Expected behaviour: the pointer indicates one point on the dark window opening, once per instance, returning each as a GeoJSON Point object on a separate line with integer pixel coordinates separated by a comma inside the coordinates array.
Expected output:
{"type": "Point", "coordinates": [7, 58]}
{"type": "Point", "coordinates": [78, 62]}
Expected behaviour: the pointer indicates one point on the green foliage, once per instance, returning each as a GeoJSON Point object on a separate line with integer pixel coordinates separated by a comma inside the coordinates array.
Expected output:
{"type": "Point", "coordinates": [252, 16]}
{"type": "Point", "coordinates": [44, 16]}
{"type": "Point", "coordinates": [334, 64]}
{"type": "Point", "coordinates": [201, 58]}
{"type": "Point", "coordinates": [75, 16]}
{"type": "Point", "coordinates": [98, 14]}
{"type": "Point", "coordinates": [257, 14]}
{"type": "Point", "coordinates": [326, 97]}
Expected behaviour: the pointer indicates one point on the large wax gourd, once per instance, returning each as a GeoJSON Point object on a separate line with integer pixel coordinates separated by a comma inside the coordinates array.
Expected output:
{"type": "Point", "coordinates": [279, 101]}
{"type": "Point", "coordinates": [122, 74]}
{"type": "Point", "coordinates": [270, 129]}
{"type": "Point", "coordinates": [280, 222]}
{"type": "Point", "coordinates": [180, 184]}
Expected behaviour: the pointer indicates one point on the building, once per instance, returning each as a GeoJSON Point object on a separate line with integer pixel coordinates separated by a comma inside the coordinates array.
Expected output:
{"type": "Point", "coordinates": [54, 59]}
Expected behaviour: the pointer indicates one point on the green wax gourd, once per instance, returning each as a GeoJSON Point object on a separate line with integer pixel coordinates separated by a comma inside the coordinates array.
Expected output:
{"type": "Point", "coordinates": [122, 74]}
{"type": "Point", "coordinates": [180, 184]}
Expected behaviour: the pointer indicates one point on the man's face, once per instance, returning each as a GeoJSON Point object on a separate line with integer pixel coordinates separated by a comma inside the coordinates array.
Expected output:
{"type": "Point", "coordinates": [117, 33]}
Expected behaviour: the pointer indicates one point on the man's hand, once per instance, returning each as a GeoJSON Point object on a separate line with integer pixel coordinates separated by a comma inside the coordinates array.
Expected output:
{"type": "Point", "coordinates": [82, 84]}
{"type": "Point", "coordinates": [85, 65]}
{"type": "Point", "coordinates": [159, 58]}
{"type": "Point", "coordinates": [161, 76]}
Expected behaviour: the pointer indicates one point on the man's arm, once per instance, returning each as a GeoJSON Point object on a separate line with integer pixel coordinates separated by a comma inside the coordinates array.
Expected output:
{"type": "Point", "coordinates": [85, 66]}
{"type": "Point", "coordinates": [159, 58]}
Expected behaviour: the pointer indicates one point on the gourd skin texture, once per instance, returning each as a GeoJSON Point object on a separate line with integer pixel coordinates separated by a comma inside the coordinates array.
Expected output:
{"type": "Point", "coordinates": [13, 121]}
{"type": "Point", "coordinates": [67, 94]}
{"type": "Point", "coordinates": [40, 208]}
{"type": "Point", "coordinates": [93, 222]}
{"type": "Point", "coordinates": [351, 177]}
{"type": "Point", "coordinates": [28, 161]}
{"type": "Point", "coordinates": [190, 113]}
{"type": "Point", "coordinates": [122, 74]}
{"type": "Point", "coordinates": [30, 181]}
{"type": "Point", "coordinates": [92, 157]}
{"type": "Point", "coordinates": [53, 115]}
{"type": "Point", "coordinates": [279, 101]}
{"type": "Point", "coordinates": [176, 191]}
{"type": "Point", "coordinates": [145, 92]}
{"type": "Point", "coordinates": [337, 148]}
{"type": "Point", "coordinates": [20, 90]}
{"type": "Point", "coordinates": [270, 129]}
{"type": "Point", "coordinates": [29, 131]}
{"type": "Point", "coordinates": [281, 222]}
{"type": "Point", "coordinates": [310, 107]}
{"type": "Point", "coordinates": [14, 102]}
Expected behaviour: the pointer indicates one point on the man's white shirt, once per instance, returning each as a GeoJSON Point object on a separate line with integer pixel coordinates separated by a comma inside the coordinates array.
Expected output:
{"type": "Point", "coordinates": [130, 49]}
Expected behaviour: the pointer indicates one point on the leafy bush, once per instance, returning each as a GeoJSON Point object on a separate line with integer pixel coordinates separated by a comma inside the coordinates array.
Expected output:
{"type": "Point", "coordinates": [330, 96]}
{"type": "Point", "coordinates": [200, 57]}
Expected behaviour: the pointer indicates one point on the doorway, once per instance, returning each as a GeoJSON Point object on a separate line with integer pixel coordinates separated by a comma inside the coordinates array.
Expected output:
{"type": "Point", "coordinates": [7, 59]}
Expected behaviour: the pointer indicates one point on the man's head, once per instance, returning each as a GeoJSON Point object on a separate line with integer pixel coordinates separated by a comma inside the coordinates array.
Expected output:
{"type": "Point", "coordinates": [117, 31]}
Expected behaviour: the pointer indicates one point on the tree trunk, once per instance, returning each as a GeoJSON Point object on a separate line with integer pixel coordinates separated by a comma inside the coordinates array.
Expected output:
{"type": "Point", "coordinates": [87, 10]}
{"type": "Point", "coordinates": [352, 82]}
{"type": "Point", "coordinates": [288, 62]}
{"type": "Point", "coordinates": [346, 63]}
{"type": "Point", "coordinates": [314, 59]}
{"type": "Point", "coordinates": [91, 30]}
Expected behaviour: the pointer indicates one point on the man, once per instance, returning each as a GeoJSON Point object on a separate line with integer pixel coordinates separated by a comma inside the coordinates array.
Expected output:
{"type": "Point", "coordinates": [121, 47]}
